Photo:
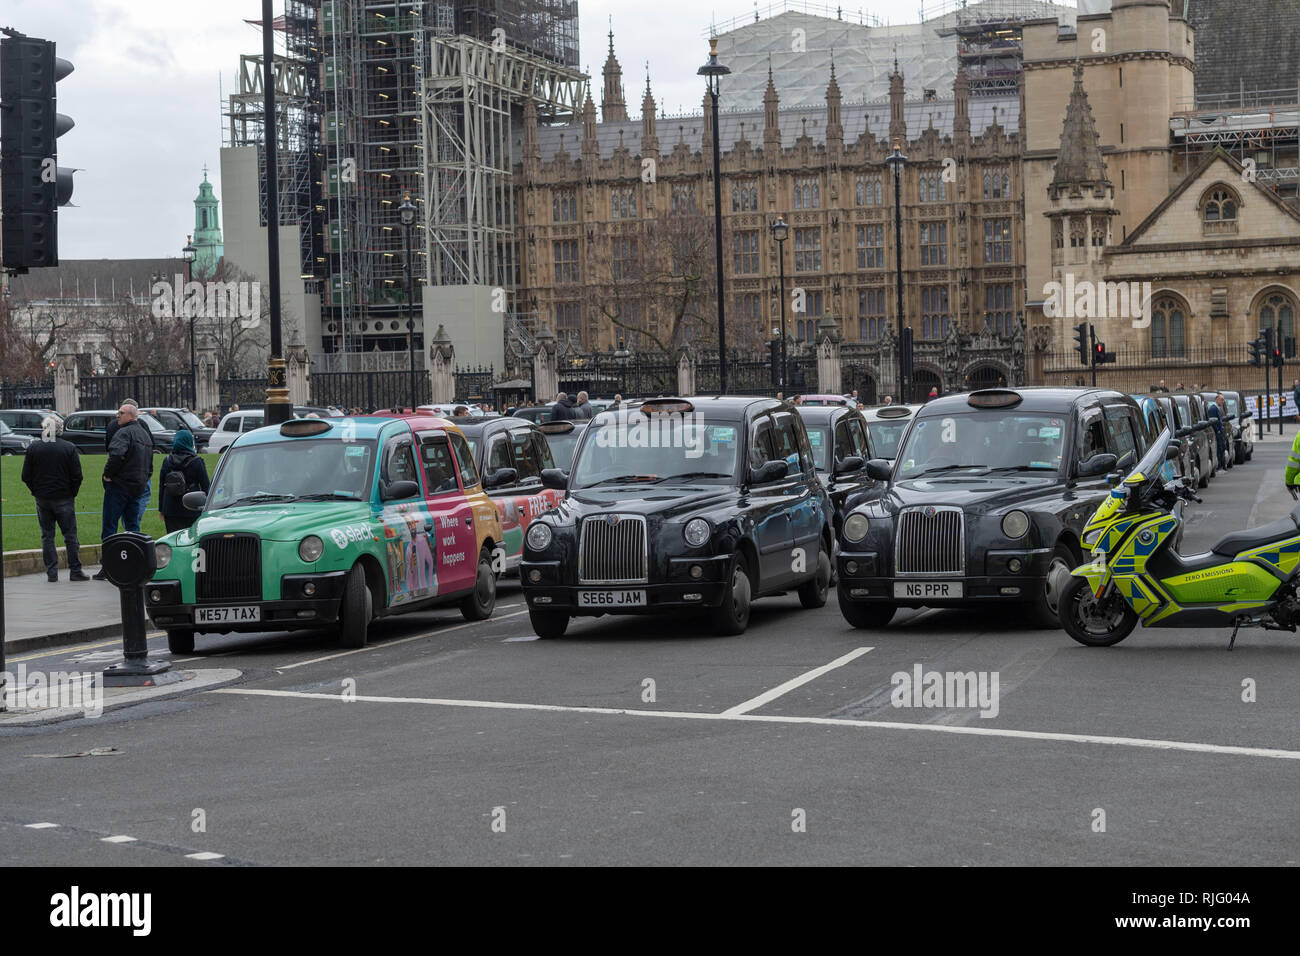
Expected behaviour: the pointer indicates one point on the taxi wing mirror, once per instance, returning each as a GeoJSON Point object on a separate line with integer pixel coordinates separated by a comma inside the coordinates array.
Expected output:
{"type": "Point", "coordinates": [1174, 450]}
{"type": "Point", "coordinates": [502, 476]}
{"type": "Point", "coordinates": [768, 472]}
{"type": "Point", "coordinates": [880, 469]}
{"type": "Point", "coordinates": [846, 466]}
{"type": "Point", "coordinates": [399, 490]}
{"type": "Point", "coordinates": [1098, 464]}
{"type": "Point", "coordinates": [555, 478]}
{"type": "Point", "coordinates": [195, 500]}
{"type": "Point", "coordinates": [1126, 461]}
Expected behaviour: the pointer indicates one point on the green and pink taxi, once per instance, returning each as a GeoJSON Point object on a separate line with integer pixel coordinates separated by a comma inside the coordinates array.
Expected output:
{"type": "Point", "coordinates": [329, 523]}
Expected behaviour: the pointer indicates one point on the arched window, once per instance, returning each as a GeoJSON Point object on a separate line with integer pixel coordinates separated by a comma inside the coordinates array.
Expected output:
{"type": "Point", "coordinates": [1279, 310]}
{"type": "Point", "coordinates": [1220, 205]}
{"type": "Point", "coordinates": [1168, 328]}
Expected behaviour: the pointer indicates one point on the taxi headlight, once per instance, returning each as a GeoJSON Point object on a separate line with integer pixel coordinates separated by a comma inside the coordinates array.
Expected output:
{"type": "Point", "coordinates": [1015, 524]}
{"type": "Point", "coordinates": [163, 554]}
{"type": "Point", "coordinates": [696, 532]}
{"type": "Point", "coordinates": [539, 536]}
{"type": "Point", "coordinates": [311, 548]}
{"type": "Point", "coordinates": [855, 528]}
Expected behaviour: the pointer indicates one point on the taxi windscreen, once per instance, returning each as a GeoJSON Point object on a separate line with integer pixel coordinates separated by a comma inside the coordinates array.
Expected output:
{"type": "Point", "coordinates": [820, 440]}
{"type": "Point", "coordinates": [325, 469]}
{"type": "Point", "coordinates": [975, 442]}
{"type": "Point", "coordinates": [886, 433]}
{"type": "Point", "coordinates": [656, 448]}
{"type": "Point", "coordinates": [562, 447]}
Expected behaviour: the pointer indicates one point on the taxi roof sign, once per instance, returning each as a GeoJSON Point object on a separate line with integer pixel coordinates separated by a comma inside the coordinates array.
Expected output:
{"type": "Point", "coordinates": [893, 411]}
{"type": "Point", "coordinates": [556, 428]}
{"type": "Point", "coordinates": [994, 398]}
{"type": "Point", "coordinates": [304, 427]}
{"type": "Point", "coordinates": [659, 406]}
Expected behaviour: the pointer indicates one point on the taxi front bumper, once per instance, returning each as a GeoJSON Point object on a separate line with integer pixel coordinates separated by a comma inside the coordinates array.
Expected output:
{"type": "Point", "coordinates": [297, 608]}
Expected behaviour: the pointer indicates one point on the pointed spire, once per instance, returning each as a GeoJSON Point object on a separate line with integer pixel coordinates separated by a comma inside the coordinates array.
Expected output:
{"type": "Point", "coordinates": [771, 112]}
{"type": "Point", "coordinates": [834, 127]}
{"type": "Point", "coordinates": [1079, 161]}
{"type": "Point", "coordinates": [897, 122]}
{"type": "Point", "coordinates": [613, 107]}
{"type": "Point", "coordinates": [588, 123]}
{"type": "Point", "coordinates": [649, 132]}
{"type": "Point", "coordinates": [961, 105]}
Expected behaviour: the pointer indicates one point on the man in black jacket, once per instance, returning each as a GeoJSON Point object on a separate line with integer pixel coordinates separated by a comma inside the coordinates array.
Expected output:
{"type": "Point", "coordinates": [52, 471]}
{"type": "Point", "coordinates": [127, 472]}
{"type": "Point", "coordinates": [564, 410]}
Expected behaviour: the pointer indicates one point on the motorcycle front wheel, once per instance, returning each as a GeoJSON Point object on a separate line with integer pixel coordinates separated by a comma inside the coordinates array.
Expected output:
{"type": "Point", "coordinates": [1093, 622]}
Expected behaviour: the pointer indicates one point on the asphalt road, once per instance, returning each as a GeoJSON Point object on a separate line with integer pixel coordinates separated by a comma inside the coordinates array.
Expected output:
{"type": "Point", "coordinates": [478, 744]}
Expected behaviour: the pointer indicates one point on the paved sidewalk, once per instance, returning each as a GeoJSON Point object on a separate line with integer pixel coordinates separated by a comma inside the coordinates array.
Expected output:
{"type": "Point", "coordinates": [39, 613]}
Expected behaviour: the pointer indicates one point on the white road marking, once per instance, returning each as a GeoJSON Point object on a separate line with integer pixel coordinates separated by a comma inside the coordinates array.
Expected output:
{"type": "Point", "coordinates": [404, 640]}
{"type": "Point", "coordinates": [205, 855]}
{"type": "Point", "coordinates": [770, 695]}
{"type": "Point", "coordinates": [118, 839]}
{"type": "Point", "coordinates": [1141, 742]}
{"type": "Point", "coordinates": [41, 826]}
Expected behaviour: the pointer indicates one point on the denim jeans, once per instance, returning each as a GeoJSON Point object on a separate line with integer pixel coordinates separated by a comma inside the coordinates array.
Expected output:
{"type": "Point", "coordinates": [119, 506]}
{"type": "Point", "coordinates": [62, 511]}
{"type": "Point", "coordinates": [142, 506]}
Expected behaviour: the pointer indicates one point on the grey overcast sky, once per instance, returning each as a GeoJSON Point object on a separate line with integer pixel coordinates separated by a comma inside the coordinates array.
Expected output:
{"type": "Point", "coordinates": [149, 74]}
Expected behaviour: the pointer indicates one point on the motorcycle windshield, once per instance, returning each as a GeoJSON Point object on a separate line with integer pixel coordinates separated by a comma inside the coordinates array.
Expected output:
{"type": "Point", "coordinates": [1148, 469]}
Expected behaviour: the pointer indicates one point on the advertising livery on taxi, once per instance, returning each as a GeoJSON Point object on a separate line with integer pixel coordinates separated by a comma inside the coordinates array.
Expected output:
{"type": "Point", "coordinates": [674, 505]}
{"type": "Point", "coordinates": [330, 523]}
{"type": "Point", "coordinates": [986, 502]}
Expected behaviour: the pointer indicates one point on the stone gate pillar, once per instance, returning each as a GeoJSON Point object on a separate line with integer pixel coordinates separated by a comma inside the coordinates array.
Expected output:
{"type": "Point", "coordinates": [685, 371]}
{"type": "Point", "coordinates": [828, 356]}
{"type": "Point", "coordinates": [297, 367]}
{"type": "Point", "coordinates": [209, 391]}
{"type": "Point", "coordinates": [65, 382]}
{"type": "Point", "coordinates": [442, 368]}
{"type": "Point", "coordinates": [546, 378]}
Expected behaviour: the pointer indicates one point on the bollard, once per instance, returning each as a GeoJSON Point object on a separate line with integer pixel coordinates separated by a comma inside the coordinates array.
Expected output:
{"type": "Point", "coordinates": [129, 562]}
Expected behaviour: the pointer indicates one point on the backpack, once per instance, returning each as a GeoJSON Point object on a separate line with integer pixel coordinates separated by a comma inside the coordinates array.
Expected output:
{"type": "Point", "coordinates": [175, 484]}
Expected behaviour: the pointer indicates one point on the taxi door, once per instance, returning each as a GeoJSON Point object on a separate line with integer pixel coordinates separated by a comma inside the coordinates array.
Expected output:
{"type": "Point", "coordinates": [772, 532]}
{"type": "Point", "coordinates": [408, 527]}
{"type": "Point", "coordinates": [450, 515]}
{"type": "Point", "coordinates": [805, 504]}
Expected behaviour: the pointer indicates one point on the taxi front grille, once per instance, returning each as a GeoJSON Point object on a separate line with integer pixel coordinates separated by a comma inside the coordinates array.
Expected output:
{"type": "Point", "coordinates": [612, 550]}
{"type": "Point", "coordinates": [931, 540]}
{"type": "Point", "coordinates": [232, 568]}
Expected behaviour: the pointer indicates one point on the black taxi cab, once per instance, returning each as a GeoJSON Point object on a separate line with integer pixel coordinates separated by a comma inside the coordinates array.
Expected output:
{"type": "Point", "coordinates": [986, 502]}
{"type": "Point", "coordinates": [841, 449]}
{"type": "Point", "coordinates": [674, 505]}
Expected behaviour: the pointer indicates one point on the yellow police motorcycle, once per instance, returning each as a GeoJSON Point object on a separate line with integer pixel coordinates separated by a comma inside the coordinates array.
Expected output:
{"type": "Point", "coordinates": [1248, 579]}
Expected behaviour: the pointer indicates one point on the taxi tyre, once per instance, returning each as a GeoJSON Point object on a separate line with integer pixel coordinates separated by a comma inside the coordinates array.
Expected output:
{"type": "Point", "coordinates": [479, 605]}
{"type": "Point", "coordinates": [1203, 479]}
{"type": "Point", "coordinates": [813, 593]}
{"type": "Point", "coordinates": [731, 617]}
{"type": "Point", "coordinates": [862, 615]}
{"type": "Point", "coordinates": [548, 625]}
{"type": "Point", "coordinates": [1059, 565]}
{"type": "Point", "coordinates": [1077, 600]}
{"type": "Point", "coordinates": [180, 641]}
{"type": "Point", "coordinates": [354, 612]}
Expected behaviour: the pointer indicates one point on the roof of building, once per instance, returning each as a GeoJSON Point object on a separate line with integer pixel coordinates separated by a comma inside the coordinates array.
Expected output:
{"type": "Point", "coordinates": [93, 279]}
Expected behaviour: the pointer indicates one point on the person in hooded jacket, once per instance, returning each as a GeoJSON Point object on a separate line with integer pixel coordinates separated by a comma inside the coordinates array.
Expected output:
{"type": "Point", "coordinates": [564, 410]}
{"type": "Point", "coordinates": [182, 472]}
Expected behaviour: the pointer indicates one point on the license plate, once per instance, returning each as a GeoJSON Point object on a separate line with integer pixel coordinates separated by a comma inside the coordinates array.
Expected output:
{"type": "Point", "coordinates": [227, 615]}
{"type": "Point", "coordinates": [928, 590]}
{"type": "Point", "coordinates": [611, 599]}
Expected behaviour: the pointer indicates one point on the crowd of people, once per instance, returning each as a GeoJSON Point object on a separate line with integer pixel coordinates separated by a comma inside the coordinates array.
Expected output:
{"type": "Point", "coordinates": [52, 472]}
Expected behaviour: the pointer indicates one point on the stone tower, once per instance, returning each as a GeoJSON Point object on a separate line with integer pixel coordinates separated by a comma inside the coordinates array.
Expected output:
{"type": "Point", "coordinates": [207, 232]}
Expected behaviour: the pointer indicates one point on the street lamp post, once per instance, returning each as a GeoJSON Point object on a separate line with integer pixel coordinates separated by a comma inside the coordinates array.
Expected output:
{"type": "Point", "coordinates": [897, 160]}
{"type": "Point", "coordinates": [713, 71]}
{"type": "Point", "coordinates": [407, 211]}
{"type": "Point", "coordinates": [621, 356]}
{"type": "Point", "coordinates": [188, 253]}
{"type": "Point", "coordinates": [780, 232]}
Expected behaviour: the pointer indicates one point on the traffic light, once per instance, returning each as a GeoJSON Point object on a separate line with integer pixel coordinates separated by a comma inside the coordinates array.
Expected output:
{"type": "Point", "coordinates": [1288, 346]}
{"type": "Point", "coordinates": [1081, 342]}
{"type": "Point", "coordinates": [1277, 357]}
{"type": "Point", "coordinates": [33, 183]}
{"type": "Point", "coordinates": [906, 354]}
{"type": "Point", "coordinates": [1256, 351]}
{"type": "Point", "coordinates": [1267, 335]}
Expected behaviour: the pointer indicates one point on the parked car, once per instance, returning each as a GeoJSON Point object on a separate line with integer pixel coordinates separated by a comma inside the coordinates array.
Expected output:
{"type": "Point", "coordinates": [87, 430]}
{"type": "Point", "coordinates": [176, 419]}
{"type": "Point", "coordinates": [886, 424]}
{"type": "Point", "coordinates": [562, 438]}
{"type": "Point", "coordinates": [1154, 422]}
{"type": "Point", "coordinates": [986, 502]}
{"type": "Point", "coordinates": [535, 413]}
{"type": "Point", "coordinates": [317, 523]}
{"type": "Point", "coordinates": [1188, 459]}
{"type": "Point", "coordinates": [232, 425]}
{"type": "Point", "coordinates": [1197, 434]}
{"type": "Point", "coordinates": [26, 421]}
{"type": "Point", "coordinates": [813, 401]}
{"type": "Point", "coordinates": [841, 450]}
{"type": "Point", "coordinates": [511, 455]}
{"type": "Point", "coordinates": [721, 506]}
{"type": "Point", "coordinates": [12, 443]}
{"type": "Point", "coordinates": [1240, 415]}
{"type": "Point", "coordinates": [1201, 411]}
{"type": "Point", "coordinates": [449, 410]}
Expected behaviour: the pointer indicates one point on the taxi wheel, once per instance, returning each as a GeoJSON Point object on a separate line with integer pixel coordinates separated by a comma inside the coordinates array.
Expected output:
{"type": "Point", "coordinates": [863, 615]}
{"type": "Point", "coordinates": [1054, 584]}
{"type": "Point", "coordinates": [480, 605]}
{"type": "Point", "coordinates": [813, 593]}
{"type": "Point", "coordinates": [732, 616]}
{"type": "Point", "coordinates": [180, 642]}
{"type": "Point", "coordinates": [548, 625]}
{"type": "Point", "coordinates": [354, 615]}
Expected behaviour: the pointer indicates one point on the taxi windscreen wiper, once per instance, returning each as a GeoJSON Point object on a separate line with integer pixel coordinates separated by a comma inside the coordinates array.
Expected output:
{"type": "Point", "coordinates": [259, 497]}
{"type": "Point", "coordinates": [638, 479]}
{"type": "Point", "coordinates": [698, 474]}
{"type": "Point", "coordinates": [1024, 468]}
{"type": "Point", "coordinates": [330, 496]}
{"type": "Point", "coordinates": [934, 471]}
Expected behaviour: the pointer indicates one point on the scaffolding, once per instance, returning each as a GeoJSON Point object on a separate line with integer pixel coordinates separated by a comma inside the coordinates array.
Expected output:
{"type": "Point", "coordinates": [1260, 129]}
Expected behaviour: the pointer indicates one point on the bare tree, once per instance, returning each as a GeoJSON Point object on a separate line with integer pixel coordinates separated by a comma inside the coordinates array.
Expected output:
{"type": "Point", "coordinates": [132, 339]}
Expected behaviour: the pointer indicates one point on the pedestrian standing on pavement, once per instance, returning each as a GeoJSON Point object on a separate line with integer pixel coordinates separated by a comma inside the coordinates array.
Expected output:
{"type": "Point", "coordinates": [126, 475]}
{"type": "Point", "coordinates": [113, 426]}
{"type": "Point", "coordinates": [934, 393]}
{"type": "Point", "coordinates": [889, 399]}
{"type": "Point", "coordinates": [583, 409]}
{"type": "Point", "coordinates": [618, 400]}
{"type": "Point", "coordinates": [182, 471]}
{"type": "Point", "coordinates": [563, 410]}
{"type": "Point", "coordinates": [1295, 395]}
{"type": "Point", "coordinates": [52, 472]}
